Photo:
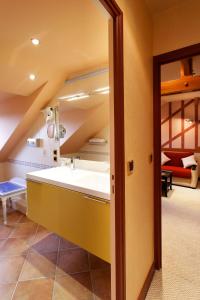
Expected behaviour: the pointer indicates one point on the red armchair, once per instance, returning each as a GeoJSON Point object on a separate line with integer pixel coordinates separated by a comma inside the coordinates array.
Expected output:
{"type": "Point", "coordinates": [181, 176]}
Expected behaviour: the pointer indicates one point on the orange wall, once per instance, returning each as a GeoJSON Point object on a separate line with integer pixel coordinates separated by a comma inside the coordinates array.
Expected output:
{"type": "Point", "coordinates": [177, 27]}
{"type": "Point", "coordinates": [138, 42]}
{"type": "Point", "coordinates": [2, 171]}
{"type": "Point", "coordinates": [11, 113]}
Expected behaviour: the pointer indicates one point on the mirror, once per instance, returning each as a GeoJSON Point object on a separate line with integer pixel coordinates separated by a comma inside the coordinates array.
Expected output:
{"type": "Point", "coordinates": [83, 104]}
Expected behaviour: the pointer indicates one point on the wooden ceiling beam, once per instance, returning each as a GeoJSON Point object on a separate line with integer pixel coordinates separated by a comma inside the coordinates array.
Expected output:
{"type": "Point", "coordinates": [184, 84]}
{"type": "Point", "coordinates": [186, 67]}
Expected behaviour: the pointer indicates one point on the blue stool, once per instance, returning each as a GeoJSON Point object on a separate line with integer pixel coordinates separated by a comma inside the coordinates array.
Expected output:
{"type": "Point", "coordinates": [9, 189]}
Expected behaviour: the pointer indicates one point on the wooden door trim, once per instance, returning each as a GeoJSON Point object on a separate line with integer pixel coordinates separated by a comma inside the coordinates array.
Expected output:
{"type": "Point", "coordinates": [157, 62]}
{"type": "Point", "coordinates": [117, 15]}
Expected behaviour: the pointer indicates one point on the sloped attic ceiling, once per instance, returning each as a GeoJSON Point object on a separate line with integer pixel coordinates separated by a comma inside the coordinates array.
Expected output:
{"type": "Point", "coordinates": [73, 38]}
{"type": "Point", "coordinates": [70, 41]}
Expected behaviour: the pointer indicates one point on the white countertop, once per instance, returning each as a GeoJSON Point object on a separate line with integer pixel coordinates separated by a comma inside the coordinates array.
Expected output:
{"type": "Point", "coordinates": [84, 181]}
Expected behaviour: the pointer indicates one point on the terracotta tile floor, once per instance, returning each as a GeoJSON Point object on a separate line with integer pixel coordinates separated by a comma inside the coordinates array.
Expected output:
{"type": "Point", "coordinates": [38, 265]}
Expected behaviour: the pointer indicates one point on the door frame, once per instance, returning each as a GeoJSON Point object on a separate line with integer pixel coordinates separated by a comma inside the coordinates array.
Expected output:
{"type": "Point", "coordinates": [119, 153]}
{"type": "Point", "coordinates": [158, 61]}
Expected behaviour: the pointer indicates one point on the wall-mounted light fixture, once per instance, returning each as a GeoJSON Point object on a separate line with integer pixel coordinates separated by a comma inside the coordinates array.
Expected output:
{"type": "Point", "coordinates": [74, 97]}
{"type": "Point", "coordinates": [189, 121]}
{"type": "Point", "coordinates": [82, 95]}
{"type": "Point", "coordinates": [104, 90]}
{"type": "Point", "coordinates": [78, 97]}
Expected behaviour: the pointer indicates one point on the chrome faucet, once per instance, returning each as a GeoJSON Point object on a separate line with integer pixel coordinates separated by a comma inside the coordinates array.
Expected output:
{"type": "Point", "coordinates": [73, 162]}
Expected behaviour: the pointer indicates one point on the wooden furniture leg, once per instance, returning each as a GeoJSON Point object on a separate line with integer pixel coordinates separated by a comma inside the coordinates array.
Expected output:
{"type": "Point", "coordinates": [165, 187]}
{"type": "Point", "coordinates": [4, 200]}
{"type": "Point", "coordinates": [10, 202]}
{"type": "Point", "coordinates": [170, 181]}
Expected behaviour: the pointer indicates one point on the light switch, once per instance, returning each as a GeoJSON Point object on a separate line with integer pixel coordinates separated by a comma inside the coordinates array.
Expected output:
{"type": "Point", "coordinates": [150, 158]}
{"type": "Point", "coordinates": [130, 167]}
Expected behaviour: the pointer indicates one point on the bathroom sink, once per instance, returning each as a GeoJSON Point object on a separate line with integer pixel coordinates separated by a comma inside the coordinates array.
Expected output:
{"type": "Point", "coordinates": [85, 181]}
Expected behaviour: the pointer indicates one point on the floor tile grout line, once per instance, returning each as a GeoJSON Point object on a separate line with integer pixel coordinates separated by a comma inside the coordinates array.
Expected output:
{"type": "Point", "coordinates": [22, 267]}
{"type": "Point", "coordinates": [42, 252]}
{"type": "Point", "coordinates": [28, 222]}
{"type": "Point", "coordinates": [19, 276]}
{"type": "Point", "coordinates": [31, 243]}
{"type": "Point", "coordinates": [14, 291]}
{"type": "Point", "coordinates": [13, 227]}
{"type": "Point", "coordinates": [36, 278]}
{"type": "Point", "coordinates": [57, 259]}
{"type": "Point", "coordinates": [19, 219]}
{"type": "Point", "coordinates": [72, 273]}
{"type": "Point", "coordinates": [23, 236]}
{"type": "Point", "coordinates": [61, 250]}
{"type": "Point", "coordinates": [20, 237]}
{"type": "Point", "coordinates": [12, 223]}
{"type": "Point", "coordinates": [89, 263]}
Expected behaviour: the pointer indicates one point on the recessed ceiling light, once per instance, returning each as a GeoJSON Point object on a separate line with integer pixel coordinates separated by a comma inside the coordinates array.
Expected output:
{"type": "Point", "coordinates": [35, 41]}
{"type": "Point", "coordinates": [32, 77]}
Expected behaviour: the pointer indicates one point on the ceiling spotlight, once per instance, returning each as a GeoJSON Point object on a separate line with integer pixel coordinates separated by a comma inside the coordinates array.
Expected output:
{"type": "Point", "coordinates": [35, 41]}
{"type": "Point", "coordinates": [189, 121]}
{"type": "Point", "coordinates": [32, 77]}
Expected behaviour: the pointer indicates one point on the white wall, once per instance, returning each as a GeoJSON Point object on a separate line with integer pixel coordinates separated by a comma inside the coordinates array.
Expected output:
{"type": "Point", "coordinates": [24, 159]}
{"type": "Point", "coordinates": [97, 152]}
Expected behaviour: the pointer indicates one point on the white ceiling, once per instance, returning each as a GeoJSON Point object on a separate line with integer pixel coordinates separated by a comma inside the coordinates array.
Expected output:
{"type": "Point", "coordinates": [157, 6]}
{"type": "Point", "coordinates": [73, 34]}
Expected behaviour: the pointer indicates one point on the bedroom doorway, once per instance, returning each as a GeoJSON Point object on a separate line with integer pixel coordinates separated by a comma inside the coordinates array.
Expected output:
{"type": "Point", "coordinates": [176, 135]}
{"type": "Point", "coordinates": [159, 61]}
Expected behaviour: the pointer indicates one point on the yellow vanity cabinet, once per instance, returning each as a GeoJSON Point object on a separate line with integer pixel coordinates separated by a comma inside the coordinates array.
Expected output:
{"type": "Point", "coordinates": [79, 218]}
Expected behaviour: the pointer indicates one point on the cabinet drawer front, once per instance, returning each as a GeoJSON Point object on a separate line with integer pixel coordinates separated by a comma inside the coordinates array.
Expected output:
{"type": "Point", "coordinates": [81, 219]}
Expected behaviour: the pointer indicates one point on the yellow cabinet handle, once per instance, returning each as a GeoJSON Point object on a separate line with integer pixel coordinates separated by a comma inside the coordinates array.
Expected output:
{"type": "Point", "coordinates": [97, 199]}
{"type": "Point", "coordinates": [35, 181]}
